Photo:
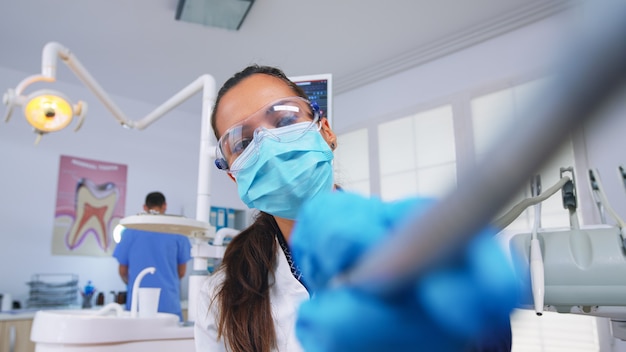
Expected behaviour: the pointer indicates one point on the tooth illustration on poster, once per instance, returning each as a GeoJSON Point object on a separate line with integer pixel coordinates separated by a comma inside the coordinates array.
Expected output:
{"type": "Point", "coordinates": [90, 203]}
{"type": "Point", "coordinates": [94, 209]}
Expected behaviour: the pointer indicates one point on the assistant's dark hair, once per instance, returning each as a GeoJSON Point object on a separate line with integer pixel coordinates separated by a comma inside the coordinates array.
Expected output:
{"type": "Point", "coordinates": [245, 73]}
{"type": "Point", "coordinates": [155, 199]}
{"type": "Point", "coordinates": [245, 316]}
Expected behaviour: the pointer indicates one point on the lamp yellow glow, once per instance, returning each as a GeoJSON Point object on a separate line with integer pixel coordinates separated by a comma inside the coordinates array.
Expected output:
{"type": "Point", "coordinates": [48, 111]}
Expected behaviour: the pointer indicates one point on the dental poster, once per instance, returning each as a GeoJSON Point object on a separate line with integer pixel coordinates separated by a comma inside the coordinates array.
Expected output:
{"type": "Point", "coordinates": [90, 203]}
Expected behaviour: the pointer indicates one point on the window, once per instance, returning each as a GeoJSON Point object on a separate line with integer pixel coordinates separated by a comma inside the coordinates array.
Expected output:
{"type": "Point", "coordinates": [491, 116]}
{"type": "Point", "coordinates": [351, 162]}
{"type": "Point", "coordinates": [417, 155]}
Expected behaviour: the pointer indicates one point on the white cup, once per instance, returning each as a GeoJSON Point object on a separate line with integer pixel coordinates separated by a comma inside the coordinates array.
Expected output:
{"type": "Point", "coordinates": [148, 301]}
{"type": "Point", "coordinates": [7, 302]}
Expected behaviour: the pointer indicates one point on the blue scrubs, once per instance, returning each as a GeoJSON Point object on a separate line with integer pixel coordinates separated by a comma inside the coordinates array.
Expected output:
{"type": "Point", "coordinates": [141, 249]}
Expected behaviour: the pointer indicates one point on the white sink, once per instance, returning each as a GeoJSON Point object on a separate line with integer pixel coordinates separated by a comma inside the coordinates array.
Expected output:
{"type": "Point", "coordinates": [89, 330]}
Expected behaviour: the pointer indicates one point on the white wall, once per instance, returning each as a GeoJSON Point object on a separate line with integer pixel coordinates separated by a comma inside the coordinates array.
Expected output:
{"type": "Point", "coordinates": [162, 157]}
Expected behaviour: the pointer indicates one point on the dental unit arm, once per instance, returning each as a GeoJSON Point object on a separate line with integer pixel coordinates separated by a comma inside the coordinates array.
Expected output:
{"type": "Point", "coordinates": [201, 251]}
{"type": "Point", "coordinates": [536, 259]}
{"type": "Point", "coordinates": [536, 264]}
{"type": "Point", "coordinates": [203, 248]}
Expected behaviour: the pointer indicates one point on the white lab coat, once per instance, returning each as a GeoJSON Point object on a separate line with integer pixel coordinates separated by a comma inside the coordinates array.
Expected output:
{"type": "Point", "coordinates": [286, 294]}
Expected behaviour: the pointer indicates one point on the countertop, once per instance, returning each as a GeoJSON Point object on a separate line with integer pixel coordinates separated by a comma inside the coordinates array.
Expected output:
{"type": "Point", "coordinates": [18, 314]}
{"type": "Point", "coordinates": [29, 313]}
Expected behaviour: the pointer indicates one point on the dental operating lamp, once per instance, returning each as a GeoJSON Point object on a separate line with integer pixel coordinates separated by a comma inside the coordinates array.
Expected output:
{"type": "Point", "coordinates": [49, 111]}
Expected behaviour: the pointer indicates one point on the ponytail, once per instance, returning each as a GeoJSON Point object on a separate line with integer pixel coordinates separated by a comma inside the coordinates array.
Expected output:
{"type": "Point", "coordinates": [245, 316]}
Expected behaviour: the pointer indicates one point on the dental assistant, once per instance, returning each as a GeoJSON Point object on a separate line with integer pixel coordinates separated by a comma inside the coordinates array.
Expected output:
{"type": "Point", "coordinates": [278, 149]}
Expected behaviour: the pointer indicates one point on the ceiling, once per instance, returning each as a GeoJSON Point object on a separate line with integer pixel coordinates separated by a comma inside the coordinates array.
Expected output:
{"type": "Point", "coordinates": [136, 48]}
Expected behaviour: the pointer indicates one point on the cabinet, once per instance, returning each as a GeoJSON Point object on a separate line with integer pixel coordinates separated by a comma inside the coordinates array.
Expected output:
{"type": "Point", "coordinates": [15, 336]}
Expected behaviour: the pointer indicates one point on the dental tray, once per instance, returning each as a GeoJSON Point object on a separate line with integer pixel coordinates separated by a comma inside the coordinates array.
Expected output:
{"type": "Point", "coordinates": [52, 290]}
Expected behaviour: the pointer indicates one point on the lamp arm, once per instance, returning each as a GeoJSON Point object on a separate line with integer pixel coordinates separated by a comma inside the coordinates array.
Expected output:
{"type": "Point", "coordinates": [201, 83]}
{"type": "Point", "coordinates": [54, 50]}
{"type": "Point", "coordinates": [30, 80]}
{"type": "Point", "coordinates": [80, 71]}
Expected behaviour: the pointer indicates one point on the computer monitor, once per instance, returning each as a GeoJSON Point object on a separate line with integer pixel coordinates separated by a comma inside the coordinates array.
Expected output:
{"type": "Point", "coordinates": [319, 89]}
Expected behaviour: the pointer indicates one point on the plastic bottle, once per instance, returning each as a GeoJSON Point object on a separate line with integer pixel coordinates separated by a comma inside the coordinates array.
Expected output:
{"type": "Point", "coordinates": [87, 294]}
{"type": "Point", "coordinates": [100, 299]}
{"type": "Point", "coordinates": [89, 289]}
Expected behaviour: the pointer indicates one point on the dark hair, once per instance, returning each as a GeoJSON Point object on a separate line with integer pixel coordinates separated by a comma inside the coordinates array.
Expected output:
{"type": "Point", "coordinates": [245, 316]}
{"type": "Point", "coordinates": [245, 73]}
{"type": "Point", "coordinates": [155, 199]}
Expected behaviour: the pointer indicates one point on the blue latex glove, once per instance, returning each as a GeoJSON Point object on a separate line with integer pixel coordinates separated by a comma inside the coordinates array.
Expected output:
{"type": "Point", "coordinates": [464, 301]}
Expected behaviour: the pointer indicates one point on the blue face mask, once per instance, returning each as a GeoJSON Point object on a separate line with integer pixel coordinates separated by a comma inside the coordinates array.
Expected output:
{"type": "Point", "coordinates": [277, 177]}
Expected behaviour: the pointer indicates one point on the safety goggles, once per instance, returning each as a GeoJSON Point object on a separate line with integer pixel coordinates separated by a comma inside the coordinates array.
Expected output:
{"type": "Point", "coordinates": [280, 113]}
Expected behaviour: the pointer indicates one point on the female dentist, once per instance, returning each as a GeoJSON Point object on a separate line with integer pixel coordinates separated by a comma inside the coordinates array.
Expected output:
{"type": "Point", "coordinates": [278, 149]}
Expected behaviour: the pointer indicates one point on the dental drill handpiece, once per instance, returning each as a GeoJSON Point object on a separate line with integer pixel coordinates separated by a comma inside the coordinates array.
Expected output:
{"type": "Point", "coordinates": [536, 258]}
{"type": "Point", "coordinates": [606, 205]}
{"type": "Point", "coordinates": [535, 191]}
{"type": "Point", "coordinates": [570, 199]}
{"type": "Point", "coordinates": [622, 173]}
{"type": "Point", "coordinates": [595, 192]}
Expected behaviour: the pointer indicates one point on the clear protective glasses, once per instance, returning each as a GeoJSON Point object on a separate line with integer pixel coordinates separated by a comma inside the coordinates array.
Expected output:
{"type": "Point", "coordinates": [280, 113]}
